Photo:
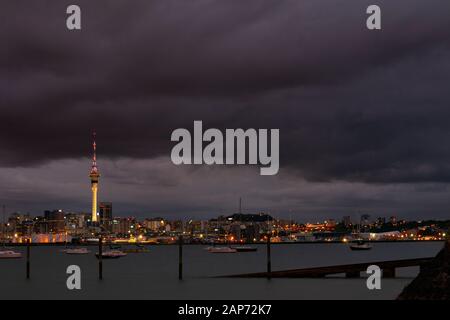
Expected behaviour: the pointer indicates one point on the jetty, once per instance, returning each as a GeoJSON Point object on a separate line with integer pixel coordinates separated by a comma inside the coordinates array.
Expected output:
{"type": "Point", "coordinates": [350, 270]}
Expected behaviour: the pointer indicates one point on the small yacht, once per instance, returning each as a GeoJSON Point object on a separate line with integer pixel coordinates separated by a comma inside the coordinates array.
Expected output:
{"type": "Point", "coordinates": [360, 245]}
{"type": "Point", "coordinates": [77, 251]}
{"type": "Point", "coordinates": [137, 249]}
{"type": "Point", "coordinates": [6, 253]}
{"type": "Point", "coordinates": [112, 254]}
{"type": "Point", "coordinates": [10, 254]}
{"type": "Point", "coordinates": [245, 248]}
{"type": "Point", "coordinates": [221, 250]}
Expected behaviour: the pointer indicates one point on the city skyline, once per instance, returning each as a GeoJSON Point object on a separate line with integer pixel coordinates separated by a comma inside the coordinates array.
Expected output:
{"type": "Point", "coordinates": [363, 117]}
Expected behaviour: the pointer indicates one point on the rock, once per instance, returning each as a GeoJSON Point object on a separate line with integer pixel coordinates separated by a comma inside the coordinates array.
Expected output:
{"type": "Point", "coordinates": [433, 281]}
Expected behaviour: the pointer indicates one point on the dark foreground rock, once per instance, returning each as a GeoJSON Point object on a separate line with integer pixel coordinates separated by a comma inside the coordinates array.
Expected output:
{"type": "Point", "coordinates": [433, 281]}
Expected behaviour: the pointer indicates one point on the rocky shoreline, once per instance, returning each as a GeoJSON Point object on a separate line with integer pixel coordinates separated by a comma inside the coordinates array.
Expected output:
{"type": "Point", "coordinates": [433, 281]}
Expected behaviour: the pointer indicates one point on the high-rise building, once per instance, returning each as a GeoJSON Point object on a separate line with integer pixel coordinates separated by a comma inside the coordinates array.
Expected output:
{"type": "Point", "coordinates": [236, 230]}
{"type": "Point", "coordinates": [365, 220]}
{"type": "Point", "coordinates": [393, 220]}
{"type": "Point", "coordinates": [75, 223]}
{"type": "Point", "coordinates": [123, 226]}
{"type": "Point", "coordinates": [94, 175]}
{"type": "Point", "coordinates": [155, 224]}
{"type": "Point", "coordinates": [105, 212]}
{"type": "Point", "coordinates": [347, 221]}
{"type": "Point", "coordinates": [55, 221]}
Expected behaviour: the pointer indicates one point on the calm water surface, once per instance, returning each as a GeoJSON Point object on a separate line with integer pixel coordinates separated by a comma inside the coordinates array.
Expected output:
{"type": "Point", "coordinates": [154, 275]}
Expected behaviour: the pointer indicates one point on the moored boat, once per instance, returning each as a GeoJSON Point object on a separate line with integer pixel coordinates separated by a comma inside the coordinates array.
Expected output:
{"type": "Point", "coordinates": [221, 250]}
{"type": "Point", "coordinates": [245, 248]}
{"type": "Point", "coordinates": [113, 254]}
{"type": "Point", "coordinates": [360, 246]}
{"type": "Point", "coordinates": [92, 240]}
{"type": "Point", "coordinates": [77, 251]}
{"type": "Point", "coordinates": [136, 250]}
{"type": "Point", "coordinates": [10, 254]}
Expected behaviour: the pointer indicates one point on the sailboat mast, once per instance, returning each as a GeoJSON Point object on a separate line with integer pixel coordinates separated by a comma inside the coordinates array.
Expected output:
{"type": "Point", "coordinates": [3, 224]}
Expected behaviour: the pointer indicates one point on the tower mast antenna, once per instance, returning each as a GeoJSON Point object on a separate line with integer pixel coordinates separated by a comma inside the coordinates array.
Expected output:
{"type": "Point", "coordinates": [94, 149]}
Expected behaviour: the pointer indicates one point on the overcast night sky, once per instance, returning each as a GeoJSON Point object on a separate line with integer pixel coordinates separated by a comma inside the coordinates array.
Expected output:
{"type": "Point", "coordinates": [363, 115]}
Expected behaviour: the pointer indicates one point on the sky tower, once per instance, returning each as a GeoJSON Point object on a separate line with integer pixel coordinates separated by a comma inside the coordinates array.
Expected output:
{"type": "Point", "coordinates": [94, 175]}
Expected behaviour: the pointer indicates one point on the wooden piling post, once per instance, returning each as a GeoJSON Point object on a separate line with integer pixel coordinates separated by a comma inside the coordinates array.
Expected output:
{"type": "Point", "coordinates": [100, 258]}
{"type": "Point", "coordinates": [269, 261]}
{"type": "Point", "coordinates": [180, 257]}
{"type": "Point", "coordinates": [28, 257]}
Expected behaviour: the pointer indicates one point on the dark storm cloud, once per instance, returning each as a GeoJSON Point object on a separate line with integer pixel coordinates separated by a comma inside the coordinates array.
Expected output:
{"type": "Point", "coordinates": [351, 104]}
{"type": "Point", "coordinates": [151, 188]}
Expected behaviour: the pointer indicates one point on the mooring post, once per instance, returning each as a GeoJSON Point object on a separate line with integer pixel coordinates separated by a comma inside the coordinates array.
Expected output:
{"type": "Point", "coordinates": [28, 257]}
{"type": "Point", "coordinates": [269, 261]}
{"type": "Point", "coordinates": [180, 257]}
{"type": "Point", "coordinates": [100, 258]}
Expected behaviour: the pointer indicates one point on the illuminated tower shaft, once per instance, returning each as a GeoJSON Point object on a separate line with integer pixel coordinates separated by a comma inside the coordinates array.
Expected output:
{"type": "Point", "coordinates": [94, 188]}
{"type": "Point", "coordinates": [94, 181]}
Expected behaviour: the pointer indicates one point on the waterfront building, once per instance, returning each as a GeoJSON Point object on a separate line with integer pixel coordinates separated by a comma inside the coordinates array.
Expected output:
{"type": "Point", "coordinates": [105, 213]}
{"type": "Point", "coordinates": [55, 221]}
{"type": "Point", "coordinates": [236, 231]}
{"type": "Point", "coordinates": [40, 225]}
{"type": "Point", "coordinates": [124, 226]}
{"type": "Point", "coordinates": [76, 223]}
{"type": "Point", "coordinates": [347, 221]}
{"type": "Point", "coordinates": [48, 238]}
{"type": "Point", "coordinates": [176, 226]}
{"type": "Point", "coordinates": [154, 225]}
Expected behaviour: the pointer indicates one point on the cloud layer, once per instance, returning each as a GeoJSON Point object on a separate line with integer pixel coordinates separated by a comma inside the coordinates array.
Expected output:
{"type": "Point", "coordinates": [354, 107]}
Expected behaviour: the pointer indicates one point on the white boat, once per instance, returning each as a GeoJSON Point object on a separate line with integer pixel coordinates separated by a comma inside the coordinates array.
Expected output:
{"type": "Point", "coordinates": [92, 240]}
{"type": "Point", "coordinates": [137, 249]}
{"type": "Point", "coordinates": [112, 254]}
{"type": "Point", "coordinates": [245, 248]}
{"type": "Point", "coordinates": [9, 254]}
{"type": "Point", "coordinates": [77, 251]}
{"type": "Point", "coordinates": [360, 245]}
{"type": "Point", "coordinates": [221, 250]}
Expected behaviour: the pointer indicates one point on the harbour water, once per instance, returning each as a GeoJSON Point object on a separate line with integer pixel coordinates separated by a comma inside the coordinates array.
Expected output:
{"type": "Point", "coordinates": [154, 275]}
